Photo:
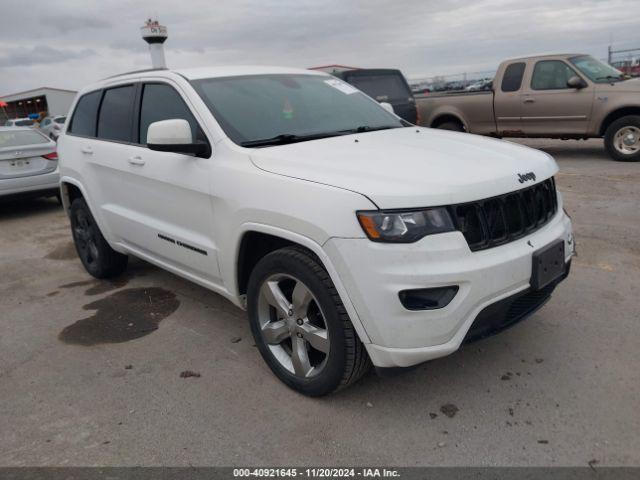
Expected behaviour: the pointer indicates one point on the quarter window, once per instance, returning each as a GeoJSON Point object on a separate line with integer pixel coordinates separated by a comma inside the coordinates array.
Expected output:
{"type": "Point", "coordinates": [551, 75]}
{"type": "Point", "coordinates": [116, 114]}
{"type": "Point", "coordinates": [162, 102]}
{"type": "Point", "coordinates": [83, 121]}
{"type": "Point", "coordinates": [512, 78]}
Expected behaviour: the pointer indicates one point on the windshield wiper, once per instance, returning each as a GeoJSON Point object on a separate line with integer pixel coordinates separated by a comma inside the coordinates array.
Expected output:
{"type": "Point", "coordinates": [367, 128]}
{"type": "Point", "coordinates": [611, 77]}
{"type": "Point", "coordinates": [286, 138]}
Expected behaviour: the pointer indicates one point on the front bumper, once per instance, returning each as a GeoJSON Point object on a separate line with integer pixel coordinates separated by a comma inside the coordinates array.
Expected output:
{"type": "Point", "coordinates": [374, 273]}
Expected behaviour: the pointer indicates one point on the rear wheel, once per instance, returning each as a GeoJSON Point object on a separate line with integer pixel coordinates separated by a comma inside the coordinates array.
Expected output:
{"type": "Point", "coordinates": [300, 325]}
{"type": "Point", "coordinates": [453, 126]}
{"type": "Point", "coordinates": [98, 258]}
{"type": "Point", "coordinates": [622, 139]}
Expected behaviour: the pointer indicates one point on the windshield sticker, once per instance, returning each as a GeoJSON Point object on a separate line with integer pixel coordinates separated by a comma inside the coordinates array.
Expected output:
{"type": "Point", "coordinates": [287, 110]}
{"type": "Point", "coordinates": [339, 85]}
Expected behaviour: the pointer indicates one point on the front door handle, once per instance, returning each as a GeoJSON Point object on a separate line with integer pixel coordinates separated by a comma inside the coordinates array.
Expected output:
{"type": "Point", "coordinates": [136, 161]}
{"type": "Point", "coordinates": [87, 150]}
{"type": "Point", "coordinates": [529, 100]}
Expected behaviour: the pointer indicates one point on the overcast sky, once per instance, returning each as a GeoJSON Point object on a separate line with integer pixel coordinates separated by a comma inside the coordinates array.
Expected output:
{"type": "Point", "coordinates": [69, 43]}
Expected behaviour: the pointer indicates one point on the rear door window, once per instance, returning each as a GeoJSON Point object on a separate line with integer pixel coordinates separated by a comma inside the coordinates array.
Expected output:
{"type": "Point", "coordinates": [83, 121]}
{"type": "Point", "coordinates": [512, 78]}
{"type": "Point", "coordinates": [382, 87]}
{"type": "Point", "coordinates": [115, 119]}
{"type": "Point", "coordinates": [162, 102]}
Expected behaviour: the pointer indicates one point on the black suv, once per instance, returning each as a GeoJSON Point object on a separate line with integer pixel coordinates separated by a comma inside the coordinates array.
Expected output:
{"type": "Point", "coordinates": [385, 85]}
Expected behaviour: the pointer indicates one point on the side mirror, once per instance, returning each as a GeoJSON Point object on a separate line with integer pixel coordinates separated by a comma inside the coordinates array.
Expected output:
{"type": "Point", "coordinates": [576, 82]}
{"type": "Point", "coordinates": [387, 106]}
{"type": "Point", "coordinates": [174, 136]}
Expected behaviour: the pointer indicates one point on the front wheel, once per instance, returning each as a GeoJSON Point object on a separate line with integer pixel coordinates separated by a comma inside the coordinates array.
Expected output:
{"type": "Point", "coordinates": [98, 258]}
{"type": "Point", "coordinates": [300, 325]}
{"type": "Point", "coordinates": [622, 139]}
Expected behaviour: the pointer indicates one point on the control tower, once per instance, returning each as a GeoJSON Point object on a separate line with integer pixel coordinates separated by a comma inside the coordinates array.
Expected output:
{"type": "Point", "coordinates": [155, 34]}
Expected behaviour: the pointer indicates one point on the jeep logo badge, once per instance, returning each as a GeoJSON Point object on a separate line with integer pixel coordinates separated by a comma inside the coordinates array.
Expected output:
{"type": "Point", "coordinates": [525, 177]}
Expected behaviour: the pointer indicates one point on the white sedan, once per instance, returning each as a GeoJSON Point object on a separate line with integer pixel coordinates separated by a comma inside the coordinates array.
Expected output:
{"type": "Point", "coordinates": [28, 164]}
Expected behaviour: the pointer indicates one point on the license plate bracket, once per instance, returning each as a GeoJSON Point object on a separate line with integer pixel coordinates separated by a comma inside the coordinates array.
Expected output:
{"type": "Point", "coordinates": [548, 265]}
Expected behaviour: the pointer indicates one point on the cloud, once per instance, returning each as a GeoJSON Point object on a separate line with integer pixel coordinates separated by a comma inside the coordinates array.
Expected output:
{"type": "Point", "coordinates": [421, 37]}
{"type": "Point", "coordinates": [42, 54]}
{"type": "Point", "coordinates": [69, 23]}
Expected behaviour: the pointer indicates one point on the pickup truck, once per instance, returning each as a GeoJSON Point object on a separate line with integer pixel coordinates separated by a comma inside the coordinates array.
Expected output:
{"type": "Point", "coordinates": [570, 96]}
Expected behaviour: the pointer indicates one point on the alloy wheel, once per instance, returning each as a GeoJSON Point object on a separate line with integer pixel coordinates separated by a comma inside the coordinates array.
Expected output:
{"type": "Point", "coordinates": [627, 140]}
{"type": "Point", "coordinates": [293, 326]}
{"type": "Point", "coordinates": [85, 235]}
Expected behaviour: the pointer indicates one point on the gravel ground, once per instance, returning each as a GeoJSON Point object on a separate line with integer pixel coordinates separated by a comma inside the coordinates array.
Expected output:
{"type": "Point", "coordinates": [562, 388]}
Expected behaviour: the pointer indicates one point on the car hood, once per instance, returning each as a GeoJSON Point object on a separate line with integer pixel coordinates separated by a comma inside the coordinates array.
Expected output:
{"type": "Point", "coordinates": [410, 167]}
{"type": "Point", "coordinates": [632, 86]}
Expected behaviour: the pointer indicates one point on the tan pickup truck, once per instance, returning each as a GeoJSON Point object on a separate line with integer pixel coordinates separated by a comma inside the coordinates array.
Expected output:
{"type": "Point", "coordinates": [569, 96]}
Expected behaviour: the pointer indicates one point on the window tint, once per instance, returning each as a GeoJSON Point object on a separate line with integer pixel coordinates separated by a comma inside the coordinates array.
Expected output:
{"type": "Point", "coordinates": [512, 79]}
{"type": "Point", "coordinates": [83, 121]}
{"type": "Point", "coordinates": [162, 102]}
{"type": "Point", "coordinates": [116, 116]}
{"type": "Point", "coordinates": [551, 75]}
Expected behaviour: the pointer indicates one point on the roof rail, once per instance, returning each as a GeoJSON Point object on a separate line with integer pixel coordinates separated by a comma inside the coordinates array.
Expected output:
{"type": "Point", "coordinates": [135, 71]}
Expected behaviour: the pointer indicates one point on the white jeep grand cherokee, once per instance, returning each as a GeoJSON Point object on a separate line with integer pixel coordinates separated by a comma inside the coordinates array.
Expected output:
{"type": "Point", "coordinates": [350, 236]}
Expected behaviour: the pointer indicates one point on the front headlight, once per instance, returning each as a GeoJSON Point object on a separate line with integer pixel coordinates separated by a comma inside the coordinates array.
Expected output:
{"type": "Point", "coordinates": [404, 226]}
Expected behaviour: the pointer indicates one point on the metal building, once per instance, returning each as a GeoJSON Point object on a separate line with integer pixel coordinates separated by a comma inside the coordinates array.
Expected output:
{"type": "Point", "coordinates": [44, 100]}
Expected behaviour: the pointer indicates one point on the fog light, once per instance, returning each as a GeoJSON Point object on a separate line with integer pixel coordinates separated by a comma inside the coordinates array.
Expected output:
{"type": "Point", "coordinates": [427, 298]}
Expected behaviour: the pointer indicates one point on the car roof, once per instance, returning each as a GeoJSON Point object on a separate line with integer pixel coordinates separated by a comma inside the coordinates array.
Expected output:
{"type": "Point", "coordinates": [214, 72]}
{"type": "Point", "coordinates": [550, 56]}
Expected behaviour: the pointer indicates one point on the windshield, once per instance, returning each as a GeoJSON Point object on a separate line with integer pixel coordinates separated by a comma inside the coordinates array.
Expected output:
{"type": "Point", "coordinates": [20, 138]}
{"type": "Point", "coordinates": [596, 70]}
{"type": "Point", "coordinates": [286, 108]}
{"type": "Point", "coordinates": [382, 87]}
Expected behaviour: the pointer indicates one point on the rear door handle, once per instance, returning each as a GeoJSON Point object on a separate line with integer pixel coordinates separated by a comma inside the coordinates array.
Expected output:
{"type": "Point", "coordinates": [87, 150]}
{"type": "Point", "coordinates": [529, 100]}
{"type": "Point", "coordinates": [136, 161]}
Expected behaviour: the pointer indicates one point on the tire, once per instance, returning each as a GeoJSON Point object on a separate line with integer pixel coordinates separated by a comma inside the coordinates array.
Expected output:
{"type": "Point", "coordinates": [330, 355]}
{"type": "Point", "coordinates": [622, 139]}
{"type": "Point", "coordinates": [453, 126]}
{"type": "Point", "coordinates": [98, 258]}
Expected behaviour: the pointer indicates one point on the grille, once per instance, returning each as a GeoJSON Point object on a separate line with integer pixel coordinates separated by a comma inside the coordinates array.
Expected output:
{"type": "Point", "coordinates": [498, 220]}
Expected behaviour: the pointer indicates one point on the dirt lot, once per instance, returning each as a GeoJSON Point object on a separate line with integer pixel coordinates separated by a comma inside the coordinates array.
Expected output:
{"type": "Point", "coordinates": [562, 388]}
